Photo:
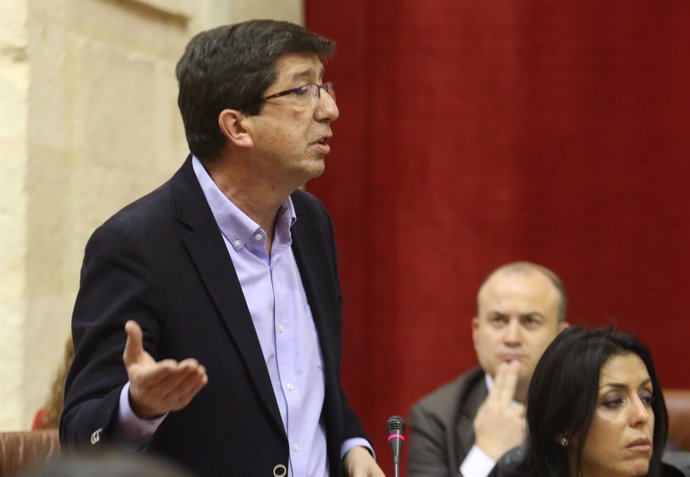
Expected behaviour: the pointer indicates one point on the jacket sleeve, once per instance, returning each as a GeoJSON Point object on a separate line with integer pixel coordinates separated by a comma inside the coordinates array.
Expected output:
{"type": "Point", "coordinates": [117, 284]}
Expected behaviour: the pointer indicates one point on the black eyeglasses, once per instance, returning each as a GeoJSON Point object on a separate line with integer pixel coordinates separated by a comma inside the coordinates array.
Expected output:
{"type": "Point", "coordinates": [306, 92]}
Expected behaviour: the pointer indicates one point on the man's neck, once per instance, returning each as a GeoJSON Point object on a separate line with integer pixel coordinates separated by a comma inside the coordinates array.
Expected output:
{"type": "Point", "coordinates": [259, 200]}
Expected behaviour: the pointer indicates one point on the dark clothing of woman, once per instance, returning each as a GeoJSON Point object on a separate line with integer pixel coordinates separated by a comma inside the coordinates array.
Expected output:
{"type": "Point", "coordinates": [509, 466]}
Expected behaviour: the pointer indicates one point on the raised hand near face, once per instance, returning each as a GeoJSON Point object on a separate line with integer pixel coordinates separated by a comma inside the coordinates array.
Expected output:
{"type": "Point", "coordinates": [500, 422]}
{"type": "Point", "coordinates": [158, 387]}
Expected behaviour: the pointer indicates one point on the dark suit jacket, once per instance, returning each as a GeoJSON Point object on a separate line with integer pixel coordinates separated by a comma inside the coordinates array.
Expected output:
{"type": "Point", "coordinates": [440, 426]}
{"type": "Point", "coordinates": [162, 262]}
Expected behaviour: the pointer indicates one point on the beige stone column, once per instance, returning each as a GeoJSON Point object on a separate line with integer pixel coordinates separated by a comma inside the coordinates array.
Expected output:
{"type": "Point", "coordinates": [14, 87]}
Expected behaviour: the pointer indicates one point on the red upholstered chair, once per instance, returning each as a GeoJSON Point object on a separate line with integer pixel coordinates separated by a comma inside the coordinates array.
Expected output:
{"type": "Point", "coordinates": [678, 406]}
{"type": "Point", "coordinates": [19, 450]}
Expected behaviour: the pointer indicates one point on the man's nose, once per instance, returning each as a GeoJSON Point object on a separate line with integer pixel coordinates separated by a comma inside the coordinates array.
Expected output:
{"type": "Point", "coordinates": [326, 109]}
{"type": "Point", "coordinates": [512, 331]}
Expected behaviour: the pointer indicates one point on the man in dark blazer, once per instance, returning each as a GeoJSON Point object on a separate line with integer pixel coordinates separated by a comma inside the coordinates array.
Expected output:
{"type": "Point", "coordinates": [207, 327]}
{"type": "Point", "coordinates": [463, 427]}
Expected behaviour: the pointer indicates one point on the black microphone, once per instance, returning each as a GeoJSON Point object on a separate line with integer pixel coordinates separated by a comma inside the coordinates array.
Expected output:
{"type": "Point", "coordinates": [396, 431]}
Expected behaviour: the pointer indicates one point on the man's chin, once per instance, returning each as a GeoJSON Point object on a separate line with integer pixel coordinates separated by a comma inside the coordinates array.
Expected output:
{"type": "Point", "coordinates": [316, 169]}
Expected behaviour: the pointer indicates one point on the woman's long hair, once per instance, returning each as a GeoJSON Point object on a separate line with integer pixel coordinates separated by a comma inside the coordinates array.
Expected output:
{"type": "Point", "coordinates": [563, 396]}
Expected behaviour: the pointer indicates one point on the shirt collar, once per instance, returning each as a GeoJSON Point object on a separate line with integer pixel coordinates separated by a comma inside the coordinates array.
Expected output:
{"type": "Point", "coordinates": [235, 225]}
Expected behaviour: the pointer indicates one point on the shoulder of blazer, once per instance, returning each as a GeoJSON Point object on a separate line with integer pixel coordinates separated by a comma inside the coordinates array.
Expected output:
{"type": "Point", "coordinates": [461, 393]}
{"type": "Point", "coordinates": [190, 204]}
{"type": "Point", "coordinates": [307, 204]}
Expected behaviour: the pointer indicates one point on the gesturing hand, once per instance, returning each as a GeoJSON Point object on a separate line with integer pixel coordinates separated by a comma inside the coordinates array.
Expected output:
{"type": "Point", "coordinates": [359, 463]}
{"type": "Point", "coordinates": [158, 387]}
{"type": "Point", "coordinates": [500, 422]}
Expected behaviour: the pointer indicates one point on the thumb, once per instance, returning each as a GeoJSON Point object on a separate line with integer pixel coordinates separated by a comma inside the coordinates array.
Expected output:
{"type": "Point", "coordinates": [134, 348]}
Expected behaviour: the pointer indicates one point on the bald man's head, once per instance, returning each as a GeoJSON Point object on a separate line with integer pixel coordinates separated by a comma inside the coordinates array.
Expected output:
{"type": "Point", "coordinates": [521, 307]}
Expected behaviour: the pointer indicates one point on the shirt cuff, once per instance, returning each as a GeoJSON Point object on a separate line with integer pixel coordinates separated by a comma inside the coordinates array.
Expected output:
{"type": "Point", "coordinates": [133, 430]}
{"type": "Point", "coordinates": [477, 463]}
{"type": "Point", "coordinates": [356, 442]}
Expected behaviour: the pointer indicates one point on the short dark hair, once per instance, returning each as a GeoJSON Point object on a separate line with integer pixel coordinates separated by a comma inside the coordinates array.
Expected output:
{"type": "Point", "coordinates": [564, 391]}
{"type": "Point", "coordinates": [232, 66]}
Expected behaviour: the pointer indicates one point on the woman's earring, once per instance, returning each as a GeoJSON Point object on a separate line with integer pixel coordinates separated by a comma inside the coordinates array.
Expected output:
{"type": "Point", "coordinates": [564, 441]}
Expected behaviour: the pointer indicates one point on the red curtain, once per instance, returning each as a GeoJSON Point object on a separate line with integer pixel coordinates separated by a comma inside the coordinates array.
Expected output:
{"type": "Point", "coordinates": [477, 132]}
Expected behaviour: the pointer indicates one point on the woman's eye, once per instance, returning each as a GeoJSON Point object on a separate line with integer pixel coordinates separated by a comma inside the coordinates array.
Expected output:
{"type": "Point", "coordinates": [647, 398]}
{"type": "Point", "coordinates": [612, 403]}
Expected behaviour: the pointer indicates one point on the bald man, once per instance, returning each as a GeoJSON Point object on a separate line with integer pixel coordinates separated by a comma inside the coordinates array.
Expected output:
{"type": "Point", "coordinates": [463, 427]}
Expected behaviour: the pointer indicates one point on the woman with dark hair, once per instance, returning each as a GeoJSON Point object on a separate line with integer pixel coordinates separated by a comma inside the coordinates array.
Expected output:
{"type": "Point", "coordinates": [594, 408]}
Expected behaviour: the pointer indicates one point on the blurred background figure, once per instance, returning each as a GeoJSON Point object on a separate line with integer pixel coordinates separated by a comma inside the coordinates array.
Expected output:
{"type": "Point", "coordinates": [467, 424]}
{"type": "Point", "coordinates": [48, 417]}
{"type": "Point", "coordinates": [594, 408]}
{"type": "Point", "coordinates": [109, 464]}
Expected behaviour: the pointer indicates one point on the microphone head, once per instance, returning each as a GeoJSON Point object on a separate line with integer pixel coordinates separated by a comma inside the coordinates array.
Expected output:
{"type": "Point", "coordinates": [395, 425]}
{"type": "Point", "coordinates": [396, 429]}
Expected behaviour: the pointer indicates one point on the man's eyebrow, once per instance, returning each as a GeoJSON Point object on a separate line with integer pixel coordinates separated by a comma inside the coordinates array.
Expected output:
{"type": "Point", "coordinates": [306, 74]}
{"type": "Point", "coordinates": [531, 314]}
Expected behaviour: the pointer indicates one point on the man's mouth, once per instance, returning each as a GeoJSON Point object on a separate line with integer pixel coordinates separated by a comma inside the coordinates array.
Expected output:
{"type": "Point", "coordinates": [322, 144]}
{"type": "Point", "coordinates": [324, 140]}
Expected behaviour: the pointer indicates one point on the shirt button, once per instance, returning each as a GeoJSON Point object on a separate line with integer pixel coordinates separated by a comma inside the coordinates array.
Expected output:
{"type": "Point", "coordinates": [258, 237]}
{"type": "Point", "coordinates": [290, 387]}
{"type": "Point", "coordinates": [281, 328]}
{"type": "Point", "coordinates": [237, 242]}
{"type": "Point", "coordinates": [295, 446]}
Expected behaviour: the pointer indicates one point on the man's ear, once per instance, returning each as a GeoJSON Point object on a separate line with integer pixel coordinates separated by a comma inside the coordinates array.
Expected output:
{"type": "Point", "coordinates": [475, 328]}
{"type": "Point", "coordinates": [232, 124]}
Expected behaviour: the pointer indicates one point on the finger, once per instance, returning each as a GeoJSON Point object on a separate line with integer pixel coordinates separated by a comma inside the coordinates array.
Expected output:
{"type": "Point", "coordinates": [150, 378]}
{"type": "Point", "coordinates": [191, 385]}
{"type": "Point", "coordinates": [168, 381]}
{"type": "Point", "coordinates": [134, 347]}
{"type": "Point", "coordinates": [519, 409]}
{"type": "Point", "coordinates": [188, 388]}
{"type": "Point", "coordinates": [150, 375]}
{"type": "Point", "coordinates": [189, 363]}
{"type": "Point", "coordinates": [506, 381]}
{"type": "Point", "coordinates": [496, 390]}
{"type": "Point", "coordinates": [156, 379]}
{"type": "Point", "coordinates": [518, 406]}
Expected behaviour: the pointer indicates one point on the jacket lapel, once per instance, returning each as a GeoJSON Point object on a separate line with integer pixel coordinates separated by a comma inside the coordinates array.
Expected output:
{"type": "Point", "coordinates": [208, 252]}
{"type": "Point", "coordinates": [313, 268]}
{"type": "Point", "coordinates": [464, 427]}
{"type": "Point", "coordinates": [314, 265]}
